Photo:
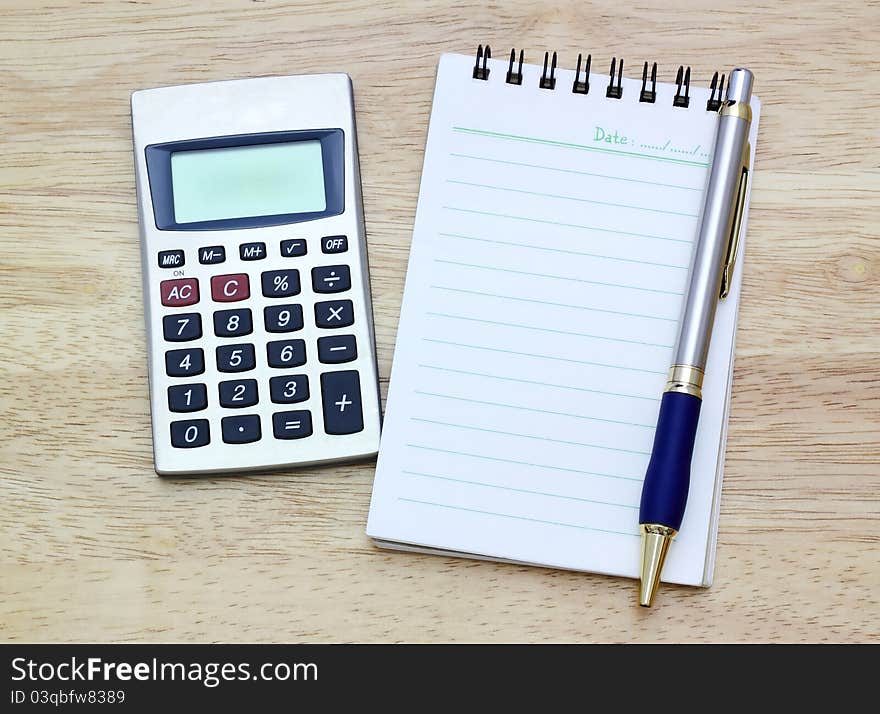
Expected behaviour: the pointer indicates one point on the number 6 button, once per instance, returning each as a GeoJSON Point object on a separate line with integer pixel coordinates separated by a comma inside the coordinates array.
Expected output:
{"type": "Point", "coordinates": [286, 353]}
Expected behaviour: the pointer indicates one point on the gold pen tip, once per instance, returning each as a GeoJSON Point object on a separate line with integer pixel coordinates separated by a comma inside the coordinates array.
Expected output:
{"type": "Point", "coordinates": [655, 545]}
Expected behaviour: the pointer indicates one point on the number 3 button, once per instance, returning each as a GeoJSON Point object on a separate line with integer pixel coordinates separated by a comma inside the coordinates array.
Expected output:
{"type": "Point", "coordinates": [290, 389]}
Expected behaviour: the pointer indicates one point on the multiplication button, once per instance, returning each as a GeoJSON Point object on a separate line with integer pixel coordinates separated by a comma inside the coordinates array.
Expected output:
{"type": "Point", "coordinates": [334, 313]}
{"type": "Point", "coordinates": [331, 279]}
{"type": "Point", "coordinates": [341, 401]}
{"type": "Point", "coordinates": [292, 425]}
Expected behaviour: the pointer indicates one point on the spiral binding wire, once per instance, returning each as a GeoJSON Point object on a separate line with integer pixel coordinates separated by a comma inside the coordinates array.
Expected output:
{"type": "Point", "coordinates": [614, 90]}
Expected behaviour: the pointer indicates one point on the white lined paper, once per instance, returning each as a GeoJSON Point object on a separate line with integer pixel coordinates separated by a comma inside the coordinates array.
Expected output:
{"type": "Point", "coordinates": [543, 293]}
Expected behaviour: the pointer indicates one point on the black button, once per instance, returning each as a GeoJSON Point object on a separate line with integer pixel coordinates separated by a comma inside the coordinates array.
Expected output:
{"type": "Point", "coordinates": [289, 389]}
{"type": "Point", "coordinates": [239, 393]}
{"type": "Point", "coordinates": [334, 244]}
{"type": "Point", "coordinates": [252, 251]}
{"type": "Point", "coordinates": [182, 363]}
{"type": "Point", "coordinates": [171, 259]}
{"type": "Point", "coordinates": [231, 323]}
{"type": "Point", "coordinates": [336, 349]}
{"type": "Point", "coordinates": [236, 358]}
{"type": "Point", "coordinates": [283, 318]}
{"type": "Point", "coordinates": [293, 248]}
{"type": "Point", "coordinates": [280, 283]}
{"type": "Point", "coordinates": [187, 397]}
{"type": "Point", "coordinates": [241, 429]}
{"type": "Point", "coordinates": [212, 254]}
{"type": "Point", "coordinates": [331, 279]}
{"type": "Point", "coordinates": [286, 353]}
{"type": "Point", "coordinates": [190, 434]}
{"type": "Point", "coordinates": [341, 398]}
{"type": "Point", "coordinates": [292, 425]}
{"type": "Point", "coordinates": [334, 313]}
{"type": "Point", "coordinates": [182, 327]}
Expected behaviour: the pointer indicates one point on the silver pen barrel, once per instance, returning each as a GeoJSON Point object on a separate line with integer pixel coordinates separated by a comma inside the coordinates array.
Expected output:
{"type": "Point", "coordinates": [717, 220]}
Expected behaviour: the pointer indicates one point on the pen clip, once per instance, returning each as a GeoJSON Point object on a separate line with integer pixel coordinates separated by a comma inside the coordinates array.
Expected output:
{"type": "Point", "coordinates": [736, 225]}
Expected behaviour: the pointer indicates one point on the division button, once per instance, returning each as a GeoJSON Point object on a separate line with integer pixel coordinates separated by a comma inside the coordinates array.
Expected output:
{"type": "Point", "coordinates": [241, 429]}
{"type": "Point", "coordinates": [190, 434]}
{"type": "Point", "coordinates": [171, 259]}
{"type": "Point", "coordinates": [341, 400]}
{"type": "Point", "coordinates": [292, 425]}
{"type": "Point", "coordinates": [336, 349]}
{"type": "Point", "coordinates": [331, 279]}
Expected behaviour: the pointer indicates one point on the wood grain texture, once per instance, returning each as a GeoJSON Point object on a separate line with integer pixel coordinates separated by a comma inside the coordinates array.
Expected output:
{"type": "Point", "coordinates": [93, 546]}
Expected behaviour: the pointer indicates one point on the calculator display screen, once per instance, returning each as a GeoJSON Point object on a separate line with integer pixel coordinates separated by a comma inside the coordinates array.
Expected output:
{"type": "Point", "coordinates": [248, 181]}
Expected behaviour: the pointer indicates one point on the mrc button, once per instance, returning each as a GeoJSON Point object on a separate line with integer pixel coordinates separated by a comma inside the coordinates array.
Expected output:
{"type": "Point", "coordinates": [171, 259]}
{"type": "Point", "coordinates": [178, 293]}
{"type": "Point", "coordinates": [334, 244]}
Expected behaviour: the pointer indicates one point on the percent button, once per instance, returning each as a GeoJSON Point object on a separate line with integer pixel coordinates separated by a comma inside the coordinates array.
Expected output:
{"type": "Point", "coordinates": [280, 283]}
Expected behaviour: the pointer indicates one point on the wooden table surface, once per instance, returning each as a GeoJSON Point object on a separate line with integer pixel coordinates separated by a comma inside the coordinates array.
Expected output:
{"type": "Point", "coordinates": [95, 547]}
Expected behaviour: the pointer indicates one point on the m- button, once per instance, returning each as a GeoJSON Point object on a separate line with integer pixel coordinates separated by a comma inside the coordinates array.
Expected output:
{"type": "Point", "coordinates": [230, 288]}
{"type": "Point", "coordinates": [178, 293]}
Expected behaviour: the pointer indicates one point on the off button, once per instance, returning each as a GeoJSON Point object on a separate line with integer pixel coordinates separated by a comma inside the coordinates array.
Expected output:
{"type": "Point", "coordinates": [334, 244]}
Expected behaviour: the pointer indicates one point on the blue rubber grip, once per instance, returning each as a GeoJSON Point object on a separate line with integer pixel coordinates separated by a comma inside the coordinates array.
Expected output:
{"type": "Point", "coordinates": [665, 491]}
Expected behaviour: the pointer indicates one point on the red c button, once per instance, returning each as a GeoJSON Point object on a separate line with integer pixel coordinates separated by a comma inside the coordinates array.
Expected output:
{"type": "Point", "coordinates": [230, 288]}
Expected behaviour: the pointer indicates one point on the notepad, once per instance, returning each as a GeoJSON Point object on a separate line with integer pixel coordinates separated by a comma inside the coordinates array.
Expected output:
{"type": "Point", "coordinates": [549, 259]}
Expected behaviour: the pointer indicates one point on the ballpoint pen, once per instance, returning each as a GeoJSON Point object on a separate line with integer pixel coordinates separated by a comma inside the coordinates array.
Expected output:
{"type": "Point", "coordinates": [665, 489]}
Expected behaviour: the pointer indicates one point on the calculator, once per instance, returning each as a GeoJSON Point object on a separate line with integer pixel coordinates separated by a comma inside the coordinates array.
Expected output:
{"type": "Point", "coordinates": [255, 279]}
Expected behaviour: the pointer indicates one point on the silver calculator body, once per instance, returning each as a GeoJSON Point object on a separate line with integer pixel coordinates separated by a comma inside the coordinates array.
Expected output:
{"type": "Point", "coordinates": [256, 288]}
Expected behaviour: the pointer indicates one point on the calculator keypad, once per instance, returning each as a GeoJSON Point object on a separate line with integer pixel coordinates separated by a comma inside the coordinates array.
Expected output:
{"type": "Point", "coordinates": [283, 312]}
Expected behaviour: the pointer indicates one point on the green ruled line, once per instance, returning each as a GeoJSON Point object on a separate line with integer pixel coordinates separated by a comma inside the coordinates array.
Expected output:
{"type": "Point", "coordinates": [500, 460]}
{"type": "Point", "coordinates": [571, 333]}
{"type": "Point", "coordinates": [468, 427]}
{"type": "Point", "coordinates": [563, 250]}
{"type": "Point", "coordinates": [571, 198]}
{"type": "Point", "coordinates": [579, 147]}
{"type": "Point", "coordinates": [554, 304]}
{"type": "Point", "coordinates": [519, 518]}
{"type": "Point", "coordinates": [536, 383]}
{"type": "Point", "coordinates": [567, 225]}
{"type": "Point", "coordinates": [576, 172]}
{"type": "Point", "coordinates": [519, 490]}
{"type": "Point", "coordinates": [532, 409]}
{"type": "Point", "coordinates": [556, 277]}
{"type": "Point", "coordinates": [540, 356]}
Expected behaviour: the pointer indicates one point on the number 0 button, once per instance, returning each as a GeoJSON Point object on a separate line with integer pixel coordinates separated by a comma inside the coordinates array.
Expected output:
{"type": "Point", "coordinates": [190, 434]}
{"type": "Point", "coordinates": [286, 353]}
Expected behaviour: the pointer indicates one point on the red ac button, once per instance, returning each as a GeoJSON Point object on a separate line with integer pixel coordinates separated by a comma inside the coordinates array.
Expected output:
{"type": "Point", "coordinates": [230, 288]}
{"type": "Point", "coordinates": [177, 293]}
